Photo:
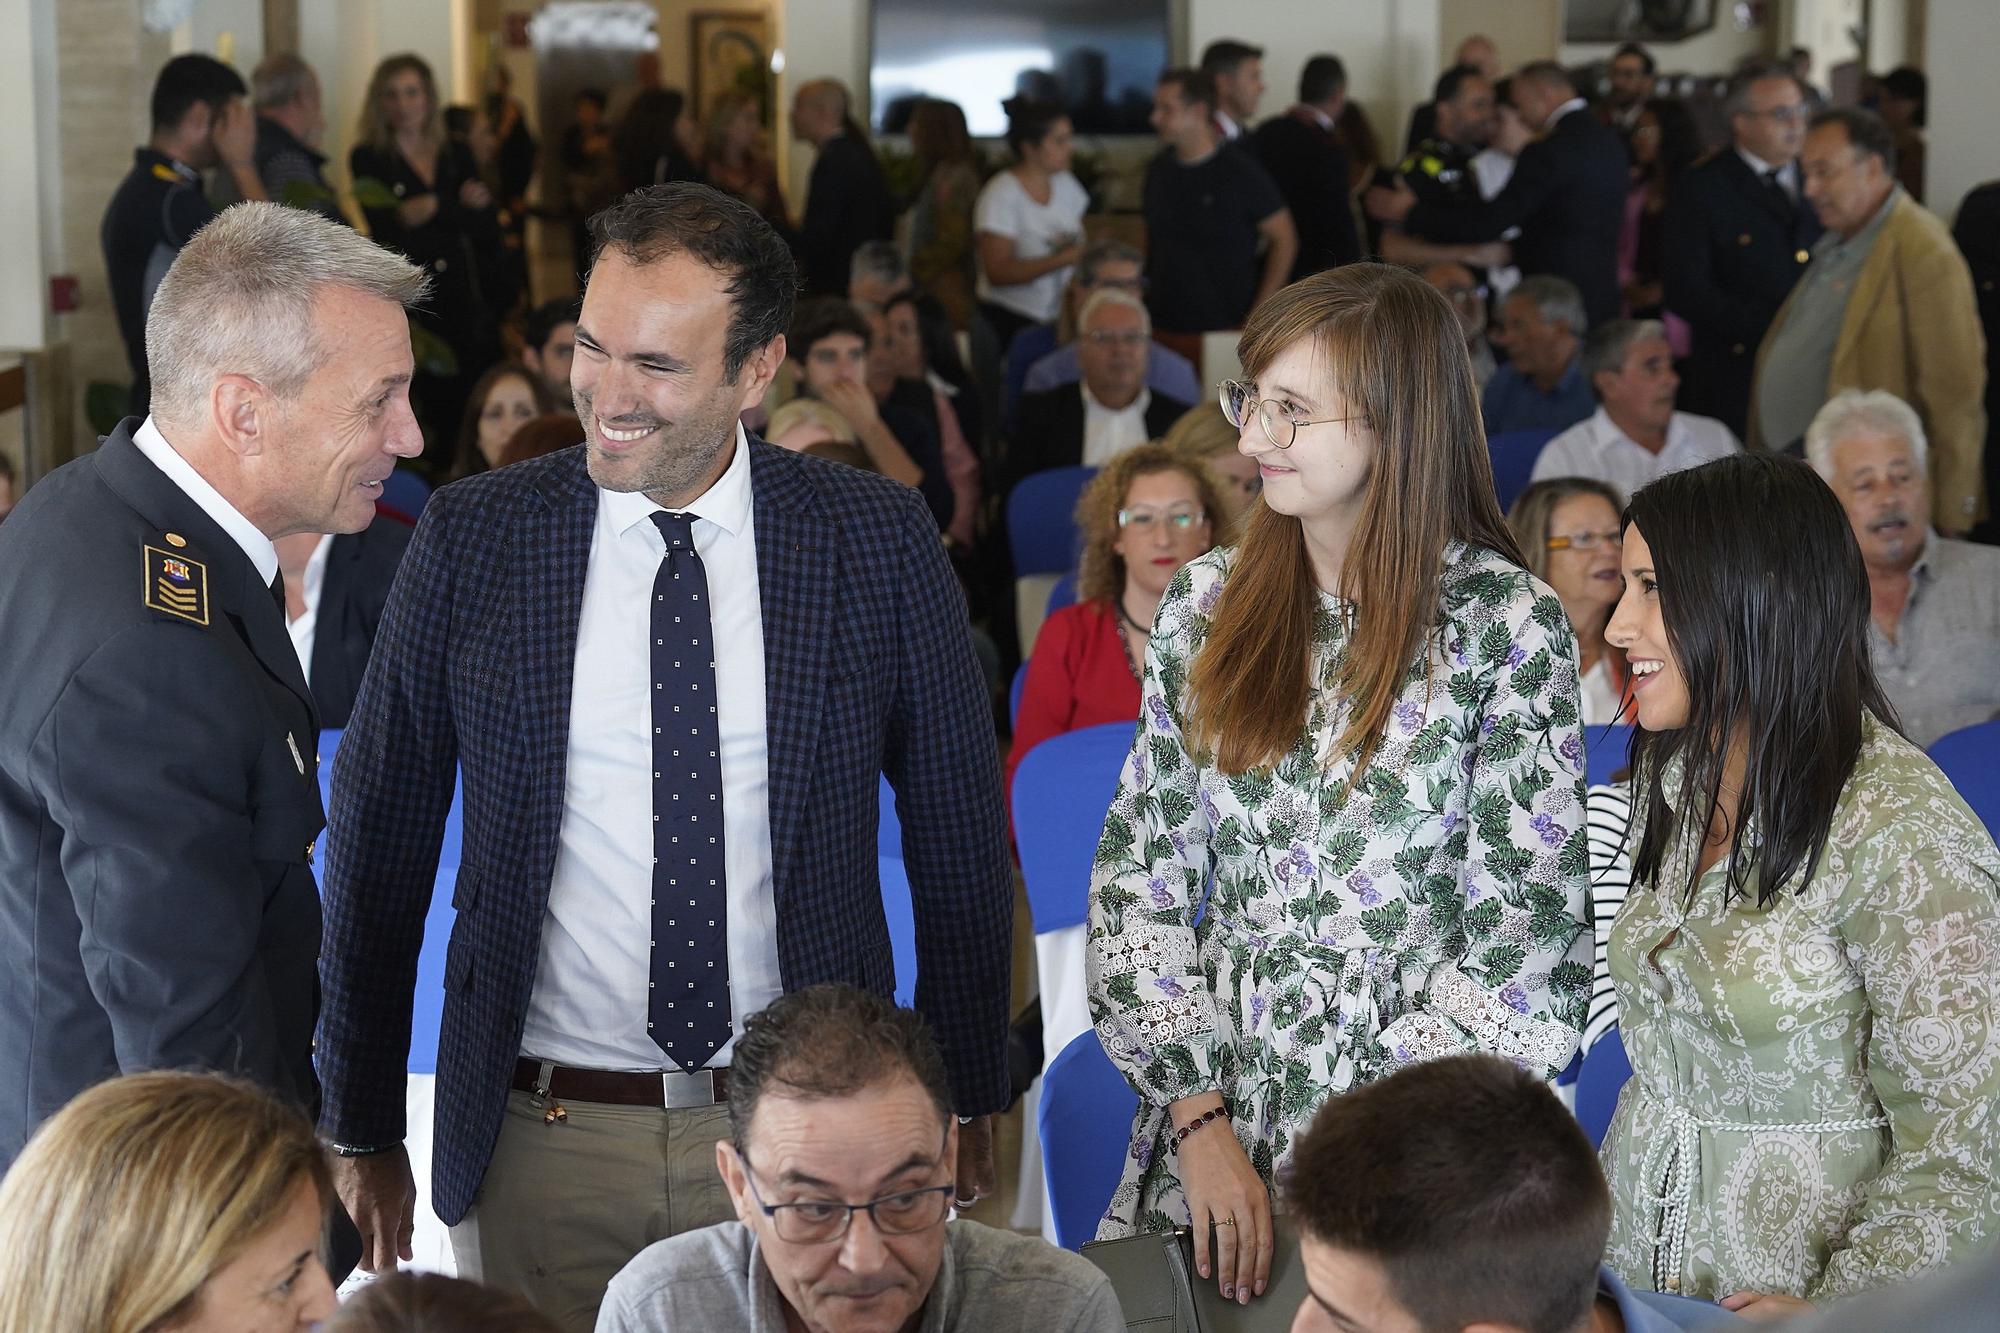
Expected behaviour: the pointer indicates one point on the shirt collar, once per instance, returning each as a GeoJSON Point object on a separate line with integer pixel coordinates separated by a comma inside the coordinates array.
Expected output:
{"type": "Point", "coordinates": [1319, 117]}
{"type": "Point", "coordinates": [1137, 407]}
{"type": "Point", "coordinates": [181, 473]}
{"type": "Point", "coordinates": [1574, 104]}
{"type": "Point", "coordinates": [1920, 568]}
{"type": "Point", "coordinates": [726, 504]}
{"type": "Point", "coordinates": [1758, 164]}
{"type": "Point", "coordinates": [1607, 430]}
{"type": "Point", "coordinates": [1227, 124]}
{"type": "Point", "coordinates": [1865, 238]}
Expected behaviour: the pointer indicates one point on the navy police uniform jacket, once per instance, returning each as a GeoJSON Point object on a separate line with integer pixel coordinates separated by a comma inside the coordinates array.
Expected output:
{"type": "Point", "coordinates": [158, 798]}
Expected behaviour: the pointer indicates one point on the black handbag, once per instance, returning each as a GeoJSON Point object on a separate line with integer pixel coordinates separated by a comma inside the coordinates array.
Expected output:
{"type": "Point", "coordinates": [1159, 1290]}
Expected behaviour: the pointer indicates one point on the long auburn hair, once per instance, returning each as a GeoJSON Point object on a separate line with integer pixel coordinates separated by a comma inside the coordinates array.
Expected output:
{"type": "Point", "coordinates": [374, 129]}
{"type": "Point", "coordinates": [1768, 623]}
{"type": "Point", "coordinates": [1397, 358]}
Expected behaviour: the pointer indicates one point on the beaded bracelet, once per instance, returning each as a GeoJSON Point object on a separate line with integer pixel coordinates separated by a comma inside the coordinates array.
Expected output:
{"type": "Point", "coordinates": [1174, 1143]}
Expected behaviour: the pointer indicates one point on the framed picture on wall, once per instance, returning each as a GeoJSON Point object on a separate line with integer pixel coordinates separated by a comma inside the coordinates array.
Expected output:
{"type": "Point", "coordinates": [729, 50]}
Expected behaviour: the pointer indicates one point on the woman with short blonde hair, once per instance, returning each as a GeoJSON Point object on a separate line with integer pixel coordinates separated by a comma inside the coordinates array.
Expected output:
{"type": "Point", "coordinates": [166, 1201]}
{"type": "Point", "coordinates": [1350, 832]}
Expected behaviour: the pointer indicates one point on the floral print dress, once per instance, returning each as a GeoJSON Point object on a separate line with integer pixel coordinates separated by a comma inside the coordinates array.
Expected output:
{"type": "Point", "coordinates": [1814, 1084]}
{"type": "Point", "coordinates": [1436, 907]}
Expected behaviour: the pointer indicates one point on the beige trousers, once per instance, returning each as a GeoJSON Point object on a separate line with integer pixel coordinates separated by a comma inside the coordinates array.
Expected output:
{"type": "Point", "coordinates": [564, 1206]}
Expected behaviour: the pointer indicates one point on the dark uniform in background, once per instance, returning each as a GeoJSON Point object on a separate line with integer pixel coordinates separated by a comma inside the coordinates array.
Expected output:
{"type": "Point", "coordinates": [158, 798]}
{"type": "Point", "coordinates": [1440, 173]}
{"type": "Point", "coordinates": [156, 209]}
{"type": "Point", "coordinates": [1977, 231]}
{"type": "Point", "coordinates": [360, 569]}
{"type": "Point", "coordinates": [1310, 169]}
{"type": "Point", "coordinates": [1732, 249]}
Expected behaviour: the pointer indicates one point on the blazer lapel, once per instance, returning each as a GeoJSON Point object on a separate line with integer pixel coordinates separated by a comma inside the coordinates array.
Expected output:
{"type": "Point", "coordinates": [548, 556]}
{"type": "Point", "coordinates": [797, 565]}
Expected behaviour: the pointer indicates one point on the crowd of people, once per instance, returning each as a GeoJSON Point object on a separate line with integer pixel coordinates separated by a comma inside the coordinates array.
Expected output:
{"type": "Point", "coordinates": [1355, 910]}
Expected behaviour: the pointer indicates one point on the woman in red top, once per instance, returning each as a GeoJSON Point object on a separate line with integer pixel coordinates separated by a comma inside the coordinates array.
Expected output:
{"type": "Point", "coordinates": [1147, 513]}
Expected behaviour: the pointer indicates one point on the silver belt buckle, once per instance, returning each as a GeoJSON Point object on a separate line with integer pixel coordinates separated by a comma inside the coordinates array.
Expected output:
{"type": "Point", "coordinates": [683, 1091]}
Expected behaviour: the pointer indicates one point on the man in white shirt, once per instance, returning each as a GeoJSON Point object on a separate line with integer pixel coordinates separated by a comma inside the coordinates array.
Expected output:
{"type": "Point", "coordinates": [1635, 435]}
{"type": "Point", "coordinates": [1110, 409]}
{"type": "Point", "coordinates": [158, 794]}
{"type": "Point", "coordinates": [672, 669]}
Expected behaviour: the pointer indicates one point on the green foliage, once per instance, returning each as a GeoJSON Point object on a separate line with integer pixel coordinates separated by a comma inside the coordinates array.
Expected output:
{"type": "Point", "coordinates": [1501, 962]}
{"type": "Point", "coordinates": [1116, 842]}
{"type": "Point", "coordinates": [1385, 923]}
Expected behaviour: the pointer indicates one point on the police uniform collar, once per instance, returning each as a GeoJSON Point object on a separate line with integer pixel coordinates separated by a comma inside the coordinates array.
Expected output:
{"type": "Point", "coordinates": [148, 156]}
{"type": "Point", "coordinates": [240, 530]}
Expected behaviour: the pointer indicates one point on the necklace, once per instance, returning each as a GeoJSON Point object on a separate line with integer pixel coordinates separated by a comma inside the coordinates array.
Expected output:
{"type": "Point", "coordinates": [1126, 616]}
{"type": "Point", "coordinates": [1125, 639]}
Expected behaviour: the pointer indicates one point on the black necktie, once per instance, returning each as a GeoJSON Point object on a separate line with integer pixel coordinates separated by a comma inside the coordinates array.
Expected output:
{"type": "Point", "coordinates": [687, 1012]}
{"type": "Point", "coordinates": [1780, 196]}
{"type": "Point", "coordinates": [278, 595]}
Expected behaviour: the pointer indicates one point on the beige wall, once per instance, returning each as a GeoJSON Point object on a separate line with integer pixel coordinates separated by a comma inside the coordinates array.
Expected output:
{"type": "Point", "coordinates": [1959, 42]}
{"type": "Point", "coordinates": [1717, 51]}
{"type": "Point", "coordinates": [1523, 30]}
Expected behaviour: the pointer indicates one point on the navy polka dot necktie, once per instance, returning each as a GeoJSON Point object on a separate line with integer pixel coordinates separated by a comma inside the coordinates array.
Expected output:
{"type": "Point", "coordinates": [687, 1013]}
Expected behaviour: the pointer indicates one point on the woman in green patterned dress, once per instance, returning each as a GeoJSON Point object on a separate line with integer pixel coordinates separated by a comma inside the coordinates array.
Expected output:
{"type": "Point", "coordinates": [1808, 960]}
{"type": "Point", "coordinates": [1350, 831]}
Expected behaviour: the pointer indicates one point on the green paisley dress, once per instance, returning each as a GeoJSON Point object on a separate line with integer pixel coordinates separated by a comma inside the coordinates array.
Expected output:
{"type": "Point", "coordinates": [1812, 1110]}
{"type": "Point", "coordinates": [1437, 907]}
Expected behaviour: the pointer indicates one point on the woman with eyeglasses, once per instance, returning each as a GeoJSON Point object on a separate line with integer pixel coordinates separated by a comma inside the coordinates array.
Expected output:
{"type": "Point", "coordinates": [1568, 530]}
{"type": "Point", "coordinates": [1147, 513]}
{"type": "Point", "coordinates": [1808, 959]}
{"type": "Point", "coordinates": [1350, 832]}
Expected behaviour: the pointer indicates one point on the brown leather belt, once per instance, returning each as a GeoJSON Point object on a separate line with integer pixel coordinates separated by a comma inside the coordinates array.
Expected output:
{"type": "Point", "coordinates": [672, 1090]}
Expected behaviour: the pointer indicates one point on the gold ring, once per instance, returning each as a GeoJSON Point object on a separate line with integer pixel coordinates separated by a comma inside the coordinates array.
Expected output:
{"type": "Point", "coordinates": [1225, 1222]}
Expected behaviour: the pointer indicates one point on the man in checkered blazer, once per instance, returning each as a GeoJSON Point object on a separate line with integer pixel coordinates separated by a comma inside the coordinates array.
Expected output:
{"type": "Point", "coordinates": [544, 617]}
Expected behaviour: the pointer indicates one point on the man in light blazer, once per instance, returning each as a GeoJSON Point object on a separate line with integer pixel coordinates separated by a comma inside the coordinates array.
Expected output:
{"type": "Point", "coordinates": [671, 665]}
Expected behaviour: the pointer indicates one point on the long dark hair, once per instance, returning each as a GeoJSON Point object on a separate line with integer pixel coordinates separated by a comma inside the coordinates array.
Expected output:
{"type": "Point", "coordinates": [1768, 622]}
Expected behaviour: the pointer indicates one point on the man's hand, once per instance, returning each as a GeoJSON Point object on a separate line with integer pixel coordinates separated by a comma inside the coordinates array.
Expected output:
{"type": "Point", "coordinates": [235, 134]}
{"type": "Point", "coordinates": [1390, 203]}
{"type": "Point", "coordinates": [474, 195]}
{"type": "Point", "coordinates": [976, 1173]}
{"type": "Point", "coordinates": [1765, 1307]}
{"type": "Point", "coordinates": [380, 1194]}
{"type": "Point", "coordinates": [854, 401]}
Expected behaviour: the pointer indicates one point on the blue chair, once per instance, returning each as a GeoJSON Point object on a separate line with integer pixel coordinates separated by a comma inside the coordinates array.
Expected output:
{"type": "Point", "coordinates": [902, 920]}
{"type": "Point", "coordinates": [1514, 453]}
{"type": "Point", "coordinates": [427, 1015]}
{"type": "Point", "coordinates": [1605, 751]}
{"type": "Point", "coordinates": [1061, 792]}
{"type": "Point", "coordinates": [1063, 594]}
{"type": "Point", "coordinates": [888, 828]}
{"type": "Point", "coordinates": [1970, 757]}
{"type": "Point", "coordinates": [1030, 345]}
{"type": "Point", "coordinates": [1041, 520]}
{"type": "Point", "coordinates": [406, 493]}
{"type": "Point", "coordinates": [1605, 1070]}
{"type": "Point", "coordinates": [1086, 1128]}
{"type": "Point", "coordinates": [1014, 693]}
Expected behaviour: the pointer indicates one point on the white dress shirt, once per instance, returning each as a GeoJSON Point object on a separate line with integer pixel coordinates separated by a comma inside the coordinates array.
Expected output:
{"type": "Point", "coordinates": [181, 473]}
{"type": "Point", "coordinates": [1109, 432]}
{"type": "Point", "coordinates": [1594, 447]}
{"type": "Point", "coordinates": [305, 629]}
{"type": "Point", "coordinates": [588, 1007]}
{"type": "Point", "coordinates": [1788, 173]}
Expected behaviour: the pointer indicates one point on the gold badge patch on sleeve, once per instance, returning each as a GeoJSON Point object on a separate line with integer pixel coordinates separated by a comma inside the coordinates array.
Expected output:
{"type": "Point", "coordinates": [177, 585]}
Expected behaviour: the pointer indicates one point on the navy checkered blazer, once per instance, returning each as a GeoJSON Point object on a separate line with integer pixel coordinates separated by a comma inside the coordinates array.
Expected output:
{"type": "Point", "coordinates": [871, 672]}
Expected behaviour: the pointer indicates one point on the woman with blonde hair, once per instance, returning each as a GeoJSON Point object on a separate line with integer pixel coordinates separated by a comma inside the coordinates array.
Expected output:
{"type": "Point", "coordinates": [422, 197]}
{"type": "Point", "coordinates": [1144, 515]}
{"type": "Point", "coordinates": [1202, 433]}
{"type": "Point", "coordinates": [1350, 831]}
{"type": "Point", "coordinates": [166, 1201]}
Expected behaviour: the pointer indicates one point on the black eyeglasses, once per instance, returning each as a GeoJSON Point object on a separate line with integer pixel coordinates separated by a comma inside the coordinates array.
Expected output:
{"type": "Point", "coordinates": [824, 1221]}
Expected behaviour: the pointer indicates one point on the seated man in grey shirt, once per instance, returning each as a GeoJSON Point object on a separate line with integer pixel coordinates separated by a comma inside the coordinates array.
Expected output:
{"type": "Point", "coordinates": [839, 1163]}
{"type": "Point", "coordinates": [1935, 602]}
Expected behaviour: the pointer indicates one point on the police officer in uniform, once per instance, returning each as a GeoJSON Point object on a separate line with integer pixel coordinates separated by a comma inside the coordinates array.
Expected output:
{"type": "Point", "coordinates": [1737, 234]}
{"type": "Point", "coordinates": [158, 790]}
{"type": "Point", "coordinates": [1438, 168]}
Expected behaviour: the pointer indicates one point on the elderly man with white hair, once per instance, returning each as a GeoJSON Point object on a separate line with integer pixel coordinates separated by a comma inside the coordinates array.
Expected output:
{"type": "Point", "coordinates": [1111, 408]}
{"type": "Point", "coordinates": [1934, 601]}
{"type": "Point", "coordinates": [159, 798]}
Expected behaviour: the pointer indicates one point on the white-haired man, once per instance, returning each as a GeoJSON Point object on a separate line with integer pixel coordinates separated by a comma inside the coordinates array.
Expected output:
{"type": "Point", "coordinates": [158, 794]}
{"type": "Point", "coordinates": [1110, 409]}
{"type": "Point", "coordinates": [1935, 602]}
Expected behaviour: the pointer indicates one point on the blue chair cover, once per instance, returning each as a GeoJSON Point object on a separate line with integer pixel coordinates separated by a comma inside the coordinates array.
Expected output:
{"type": "Point", "coordinates": [1605, 751]}
{"type": "Point", "coordinates": [1041, 520]}
{"type": "Point", "coordinates": [1030, 345]}
{"type": "Point", "coordinates": [1061, 792]}
{"type": "Point", "coordinates": [1086, 1128]}
{"type": "Point", "coordinates": [1063, 594]}
{"type": "Point", "coordinates": [902, 927]}
{"type": "Point", "coordinates": [888, 828]}
{"type": "Point", "coordinates": [1014, 692]}
{"type": "Point", "coordinates": [1513, 453]}
{"type": "Point", "coordinates": [1605, 1070]}
{"type": "Point", "coordinates": [1970, 757]}
{"type": "Point", "coordinates": [406, 492]}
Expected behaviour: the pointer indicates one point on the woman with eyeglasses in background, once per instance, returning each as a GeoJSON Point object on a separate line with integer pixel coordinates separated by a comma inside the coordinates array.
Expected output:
{"type": "Point", "coordinates": [1350, 831]}
{"type": "Point", "coordinates": [1568, 530]}
{"type": "Point", "coordinates": [1147, 513]}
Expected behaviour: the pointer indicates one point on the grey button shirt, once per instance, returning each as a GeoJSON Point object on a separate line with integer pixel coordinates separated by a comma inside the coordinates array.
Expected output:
{"type": "Point", "coordinates": [1939, 671]}
{"type": "Point", "coordinates": [1792, 384]}
{"type": "Point", "coordinates": [990, 1281]}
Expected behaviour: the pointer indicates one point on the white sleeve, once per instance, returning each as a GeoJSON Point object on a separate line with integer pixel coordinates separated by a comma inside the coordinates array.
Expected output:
{"type": "Point", "coordinates": [999, 208]}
